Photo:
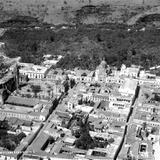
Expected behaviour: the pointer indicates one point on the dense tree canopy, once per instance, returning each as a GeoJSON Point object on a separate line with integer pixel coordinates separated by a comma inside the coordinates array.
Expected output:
{"type": "Point", "coordinates": [35, 89]}
{"type": "Point", "coordinates": [85, 141]}
{"type": "Point", "coordinates": [85, 46]}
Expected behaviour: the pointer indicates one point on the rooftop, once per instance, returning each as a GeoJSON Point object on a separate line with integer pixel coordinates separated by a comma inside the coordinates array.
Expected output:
{"type": "Point", "coordinates": [30, 102]}
{"type": "Point", "coordinates": [29, 67]}
{"type": "Point", "coordinates": [38, 143]}
{"type": "Point", "coordinates": [129, 86]}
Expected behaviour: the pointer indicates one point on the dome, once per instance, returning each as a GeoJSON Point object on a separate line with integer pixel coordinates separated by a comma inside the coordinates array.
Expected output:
{"type": "Point", "coordinates": [103, 64]}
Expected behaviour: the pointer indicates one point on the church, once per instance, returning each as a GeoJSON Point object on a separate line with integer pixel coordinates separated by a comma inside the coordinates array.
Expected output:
{"type": "Point", "coordinates": [101, 72]}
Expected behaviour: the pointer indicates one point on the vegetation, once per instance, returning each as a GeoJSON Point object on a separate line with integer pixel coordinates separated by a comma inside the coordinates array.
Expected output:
{"type": "Point", "coordinates": [66, 86]}
{"type": "Point", "coordinates": [72, 83]}
{"type": "Point", "coordinates": [7, 140]}
{"type": "Point", "coordinates": [35, 89]}
{"type": "Point", "coordinates": [4, 125]}
{"type": "Point", "coordinates": [3, 67]}
{"type": "Point", "coordinates": [83, 61]}
{"type": "Point", "coordinates": [10, 141]}
{"type": "Point", "coordinates": [85, 141]}
{"type": "Point", "coordinates": [20, 21]}
{"type": "Point", "coordinates": [85, 45]}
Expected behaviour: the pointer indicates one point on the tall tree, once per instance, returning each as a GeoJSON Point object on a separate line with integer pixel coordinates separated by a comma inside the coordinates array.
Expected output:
{"type": "Point", "coordinates": [85, 141]}
{"type": "Point", "coordinates": [35, 89]}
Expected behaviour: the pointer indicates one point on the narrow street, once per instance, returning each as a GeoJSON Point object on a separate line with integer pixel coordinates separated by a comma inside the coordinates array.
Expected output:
{"type": "Point", "coordinates": [44, 125]}
{"type": "Point", "coordinates": [128, 123]}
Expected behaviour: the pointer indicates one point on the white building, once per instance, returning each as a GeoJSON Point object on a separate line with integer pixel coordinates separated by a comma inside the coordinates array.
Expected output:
{"type": "Point", "coordinates": [101, 72]}
{"type": "Point", "coordinates": [128, 87]}
{"type": "Point", "coordinates": [33, 71]}
{"type": "Point", "coordinates": [81, 75]}
{"type": "Point", "coordinates": [132, 71]}
{"type": "Point", "coordinates": [119, 107]}
{"type": "Point", "coordinates": [50, 60]}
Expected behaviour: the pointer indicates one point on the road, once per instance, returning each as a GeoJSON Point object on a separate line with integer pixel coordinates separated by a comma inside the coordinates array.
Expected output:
{"type": "Point", "coordinates": [128, 123]}
{"type": "Point", "coordinates": [44, 125]}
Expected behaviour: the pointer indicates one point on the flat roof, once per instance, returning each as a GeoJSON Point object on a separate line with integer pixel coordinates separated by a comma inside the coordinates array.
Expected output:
{"type": "Point", "coordinates": [133, 69]}
{"type": "Point", "coordinates": [104, 104]}
{"type": "Point", "coordinates": [69, 140]}
{"type": "Point", "coordinates": [30, 67]}
{"type": "Point", "coordinates": [130, 84]}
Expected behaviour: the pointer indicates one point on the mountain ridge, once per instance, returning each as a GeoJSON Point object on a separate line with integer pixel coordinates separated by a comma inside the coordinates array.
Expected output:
{"type": "Point", "coordinates": [65, 11]}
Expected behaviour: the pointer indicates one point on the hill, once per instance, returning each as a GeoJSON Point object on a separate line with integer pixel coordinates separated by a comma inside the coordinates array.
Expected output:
{"type": "Point", "coordinates": [83, 31]}
{"type": "Point", "coordinates": [70, 11]}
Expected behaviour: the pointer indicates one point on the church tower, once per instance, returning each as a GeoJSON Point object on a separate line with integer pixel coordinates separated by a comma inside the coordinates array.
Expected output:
{"type": "Point", "coordinates": [100, 73]}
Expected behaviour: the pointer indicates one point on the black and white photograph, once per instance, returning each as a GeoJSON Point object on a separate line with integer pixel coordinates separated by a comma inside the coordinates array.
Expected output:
{"type": "Point", "coordinates": [79, 79]}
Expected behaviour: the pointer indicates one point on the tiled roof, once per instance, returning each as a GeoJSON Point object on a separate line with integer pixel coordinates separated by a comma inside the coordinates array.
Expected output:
{"type": "Point", "coordinates": [31, 102]}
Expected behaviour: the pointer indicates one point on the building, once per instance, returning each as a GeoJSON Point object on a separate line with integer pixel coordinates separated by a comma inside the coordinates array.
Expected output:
{"type": "Point", "coordinates": [132, 72]}
{"type": "Point", "coordinates": [55, 74]}
{"type": "Point", "coordinates": [33, 71]}
{"type": "Point", "coordinates": [51, 60]}
{"type": "Point", "coordinates": [138, 143]}
{"type": "Point", "coordinates": [101, 72]}
{"type": "Point", "coordinates": [129, 87]}
{"type": "Point", "coordinates": [80, 75]}
{"type": "Point", "coordinates": [25, 141]}
{"type": "Point", "coordinates": [26, 108]}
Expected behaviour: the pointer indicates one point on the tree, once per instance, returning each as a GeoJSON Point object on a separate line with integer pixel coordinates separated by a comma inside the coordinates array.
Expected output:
{"type": "Point", "coordinates": [153, 130]}
{"type": "Point", "coordinates": [66, 86]}
{"type": "Point", "coordinates": [111, 140]}
{"type": "Point", "coordinates": [72, 83]}
{"type": "Point", "coordinates": [36, 89]}
{"type": "Point", "coordinates": [85, 141]}
{"type": "Point", "coordinates": [65, 2]}
{"type": "Point", "coordinates": [4, 125]}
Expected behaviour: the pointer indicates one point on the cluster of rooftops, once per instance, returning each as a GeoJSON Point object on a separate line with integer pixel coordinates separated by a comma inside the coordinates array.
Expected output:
{"type": "Point", "coordinates": [121, 107]}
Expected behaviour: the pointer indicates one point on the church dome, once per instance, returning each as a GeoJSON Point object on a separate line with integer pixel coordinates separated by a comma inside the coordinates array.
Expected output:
{"type": "Point", "coordinates": [103, 64]}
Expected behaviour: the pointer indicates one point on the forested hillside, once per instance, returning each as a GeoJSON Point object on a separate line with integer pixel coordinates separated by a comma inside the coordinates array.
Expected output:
{"type": "Point", "coordinates": [86, 45]}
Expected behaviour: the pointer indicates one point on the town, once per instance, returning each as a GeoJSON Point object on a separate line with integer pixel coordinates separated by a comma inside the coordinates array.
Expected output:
{"type": "Point", "coordinates": [49, 113]}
